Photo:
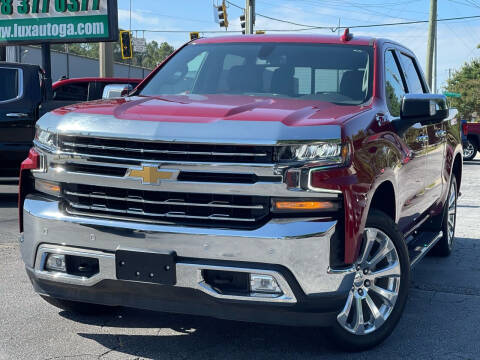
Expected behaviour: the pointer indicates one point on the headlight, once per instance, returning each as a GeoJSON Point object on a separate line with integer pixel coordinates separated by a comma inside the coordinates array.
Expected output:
{"type": "Point", "coordinates": [46, 138]}
{"type": "Point", "coordinates": [327, 152]}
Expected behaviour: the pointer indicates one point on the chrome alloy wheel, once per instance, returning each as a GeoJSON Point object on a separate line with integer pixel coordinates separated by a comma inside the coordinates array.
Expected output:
{"type": "Point", "coordinates": [375, 287]}
{"type": "Point", "coordinates": [452, 212]}
{"type": "Point", "coordinates": [468, 150]}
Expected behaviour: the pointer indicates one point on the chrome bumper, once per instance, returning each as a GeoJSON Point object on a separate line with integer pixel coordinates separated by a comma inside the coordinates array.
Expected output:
{"type": "Point", "coordinates": [300, 245]}
{"type": "Point", "coordinates": [189, 275]}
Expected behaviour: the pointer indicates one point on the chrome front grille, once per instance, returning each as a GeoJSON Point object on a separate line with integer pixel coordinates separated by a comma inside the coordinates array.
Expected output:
{"type": "Point", "coordinates": [166, 207]}
{"type": "Point", "coordinates": [165, 151]}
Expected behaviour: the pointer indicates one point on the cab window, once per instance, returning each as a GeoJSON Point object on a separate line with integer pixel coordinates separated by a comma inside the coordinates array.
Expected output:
{"type": "Point", "coordinates": [394, 87]}
{"type": "Point", "coordinates": [11, 77]}
{"type": "Point", "coordinates": [74, 92]}
{"type": "Point", "coordinates": [411, 73]}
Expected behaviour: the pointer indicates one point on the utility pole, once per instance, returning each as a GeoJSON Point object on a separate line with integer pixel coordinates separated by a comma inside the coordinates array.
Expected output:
{"type": "Point", "coordinates": [47, 68]}
{"type": "Point", "coordinates": [105, 59]}
{"type": "Point", "coordinates": [435, 58]}
{"type": "Point", "coordinates": [249, 16]}
{"type": "Point", "coordinates": [130, 29]}
{"type": "Point", "coordinates": [432, 31]}
{"type": "Point", "coordinates": [67, 54]}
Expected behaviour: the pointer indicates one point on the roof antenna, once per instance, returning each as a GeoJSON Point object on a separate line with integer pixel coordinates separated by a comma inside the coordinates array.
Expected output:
{"type": "Point", "coordinates": [346, 35]}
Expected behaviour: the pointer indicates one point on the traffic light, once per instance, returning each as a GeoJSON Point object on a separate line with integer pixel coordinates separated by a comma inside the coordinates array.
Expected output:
{"type": "Point", "coordinates": [222, 15]}
{"type": "Point", "coordinates": [126, 44]}
{"type": "Point", "coordinates": [194, 35]}
{"type": "Point", "coordinates": [242, 23]}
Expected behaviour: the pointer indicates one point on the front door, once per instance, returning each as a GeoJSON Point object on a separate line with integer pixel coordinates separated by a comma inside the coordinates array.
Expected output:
{"type": "Point", "coordinates": [434, 134]}
{"type": "Point", "coordinates": [411, 175]}
{"type": "Point", "coordinates": [19, 100]}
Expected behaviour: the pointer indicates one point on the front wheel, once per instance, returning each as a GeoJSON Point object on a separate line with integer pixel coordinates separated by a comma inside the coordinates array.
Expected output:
{"type": "Point", "coordinates": [379, 291]}
{"type": "Point", "coordinates": [469, 150]}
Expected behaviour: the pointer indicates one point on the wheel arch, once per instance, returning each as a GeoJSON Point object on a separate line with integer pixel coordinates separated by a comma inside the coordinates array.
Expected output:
{"type": "Point", "coordinates": [457, 169]}
{"type": "Point", "coordinates": [384, 199]}
{"type": "Point", "coordinates": [474, 138]}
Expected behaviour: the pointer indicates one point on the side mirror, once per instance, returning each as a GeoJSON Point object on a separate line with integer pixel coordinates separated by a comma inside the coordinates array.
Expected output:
{"type": "Point", "coordinates": [113, 91]}
{"type": "Point", "coordinates": [423, 108]}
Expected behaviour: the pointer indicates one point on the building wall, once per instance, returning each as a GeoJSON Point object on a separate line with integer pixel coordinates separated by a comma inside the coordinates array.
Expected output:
{"type": "Point", "coordinates": [79, 66]}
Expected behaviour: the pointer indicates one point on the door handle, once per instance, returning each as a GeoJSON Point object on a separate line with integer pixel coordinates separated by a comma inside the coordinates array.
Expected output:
{"type": "Point", "coordinates": [17, 115]}
{"type": "Point", "coordinates": [441, 133]}
{"type": "Point", "coordinates": [422, 138]}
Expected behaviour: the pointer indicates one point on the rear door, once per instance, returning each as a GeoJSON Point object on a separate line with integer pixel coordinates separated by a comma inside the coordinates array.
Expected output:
{"type": "Point", "coordinates": [435, 134]}
{"type": "Point", "coordinates": [20, 97]}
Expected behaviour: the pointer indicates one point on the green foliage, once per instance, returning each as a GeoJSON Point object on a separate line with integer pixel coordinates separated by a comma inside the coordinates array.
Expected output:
{"type": "Point", "coordinates": [89, 49]}
{"type": "Point", "coordinates": [394, 103]}
{"type": "Point", "coordinates": [466, 81]}
{"type": "Point", "coordinates": [154, 55]}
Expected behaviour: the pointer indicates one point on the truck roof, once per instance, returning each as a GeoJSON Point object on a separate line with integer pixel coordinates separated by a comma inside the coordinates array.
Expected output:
{"type": "Point", "coordinates": [293, 38]}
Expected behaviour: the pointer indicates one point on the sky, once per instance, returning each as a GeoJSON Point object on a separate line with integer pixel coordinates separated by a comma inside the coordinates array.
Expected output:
{"type": "Point", "coordinates": [457, 40]}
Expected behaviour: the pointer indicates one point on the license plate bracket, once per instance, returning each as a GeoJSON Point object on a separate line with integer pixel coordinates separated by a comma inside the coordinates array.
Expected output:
{"type": "Point", "coordinates": [158, 268]}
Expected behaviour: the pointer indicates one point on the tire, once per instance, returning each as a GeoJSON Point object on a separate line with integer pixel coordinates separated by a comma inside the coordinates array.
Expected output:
{"type": "Point", "coordinates": [470, 150]}
{"type": "Point", "coordinates": [445, 245]}
{"type": "Point", "coordinates": [80, 308]}
{"type": "Point", "coordinates": [381, 237]}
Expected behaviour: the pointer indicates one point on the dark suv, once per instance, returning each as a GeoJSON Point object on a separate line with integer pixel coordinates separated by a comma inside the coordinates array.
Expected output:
{"type": "Point", "coordinates": [22, 102]}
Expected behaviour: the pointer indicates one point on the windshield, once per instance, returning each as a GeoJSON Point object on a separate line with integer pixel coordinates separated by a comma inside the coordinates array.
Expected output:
{"type": "Point", "coordinates": [340, 74]}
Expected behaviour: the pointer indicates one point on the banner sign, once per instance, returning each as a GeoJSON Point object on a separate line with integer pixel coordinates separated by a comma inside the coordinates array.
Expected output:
{"type": "Point", "coordinates": [57, 21]}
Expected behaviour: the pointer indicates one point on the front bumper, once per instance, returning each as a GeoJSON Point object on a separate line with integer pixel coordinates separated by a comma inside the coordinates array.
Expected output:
{"type": "Point", "coordinates": [295, 252]}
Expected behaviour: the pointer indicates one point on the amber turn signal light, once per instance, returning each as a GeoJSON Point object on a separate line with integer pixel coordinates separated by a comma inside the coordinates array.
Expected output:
{"type": "Point", "coordinates": [302, 205]}
{"type": "Point", "coordinates": [47, 187]}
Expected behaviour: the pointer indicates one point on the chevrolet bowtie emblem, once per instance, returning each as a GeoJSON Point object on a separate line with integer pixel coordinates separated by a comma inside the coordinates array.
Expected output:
{"type": "Point", "coordinates": [151, 174]}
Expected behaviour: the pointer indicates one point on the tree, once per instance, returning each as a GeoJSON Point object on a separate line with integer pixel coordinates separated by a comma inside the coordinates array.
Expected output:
{"type": "Point", "coordinates": [466, 81]}
{"type": "Point", "coordinates": [84, 49]}
{"type": "Point", "coordinates": [155, 54]}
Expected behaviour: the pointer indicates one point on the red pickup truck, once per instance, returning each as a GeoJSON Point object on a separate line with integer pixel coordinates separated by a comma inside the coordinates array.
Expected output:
{"type": "Point", "coordinates": [86, 89]}
{"type": "Point", "coordinates": [471, 132]}
{"type": "Point", "coordinates": [286, 179]}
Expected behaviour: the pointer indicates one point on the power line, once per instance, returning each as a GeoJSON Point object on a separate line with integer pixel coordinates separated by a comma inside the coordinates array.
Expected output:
{"type": "Point", "coordinates": [270, 17]}
{"type": "Point", "coordinates": [306, 27]}
{"type": "Point", "coordinates": [334, 29]}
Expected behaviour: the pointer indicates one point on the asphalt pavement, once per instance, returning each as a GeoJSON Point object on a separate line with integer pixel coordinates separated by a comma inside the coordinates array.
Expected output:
{"type": "Point", "coordinates": [441, 319]}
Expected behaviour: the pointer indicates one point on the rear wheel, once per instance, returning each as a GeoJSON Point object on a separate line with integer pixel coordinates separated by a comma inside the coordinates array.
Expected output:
{"type": "Point", "coordinates": [469, 150]}
{"type": "Point", "coordinates": [379, 291]}
{"type": "Point", "coordinates": [445, 245]}
{"type": "Point", "coordinates": [79, 307]}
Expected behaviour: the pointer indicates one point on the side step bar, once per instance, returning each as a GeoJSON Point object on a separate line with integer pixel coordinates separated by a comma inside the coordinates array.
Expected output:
{"type": "Point", "coordinates": [421, 245]}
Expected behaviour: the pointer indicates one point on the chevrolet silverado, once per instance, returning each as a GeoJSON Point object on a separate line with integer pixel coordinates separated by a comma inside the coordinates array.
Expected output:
{"type": "Point", "coordinates": [285, 179]}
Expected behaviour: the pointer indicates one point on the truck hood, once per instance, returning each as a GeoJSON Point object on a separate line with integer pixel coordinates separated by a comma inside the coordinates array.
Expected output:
{"type": "Point", "coordinates": [204, 118]}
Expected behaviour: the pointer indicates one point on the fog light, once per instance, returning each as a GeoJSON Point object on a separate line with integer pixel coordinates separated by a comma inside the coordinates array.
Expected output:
{"type": "Point", "coordinates": [264, 284]}
{"type": "Point", "coordinates": [56, 262]}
